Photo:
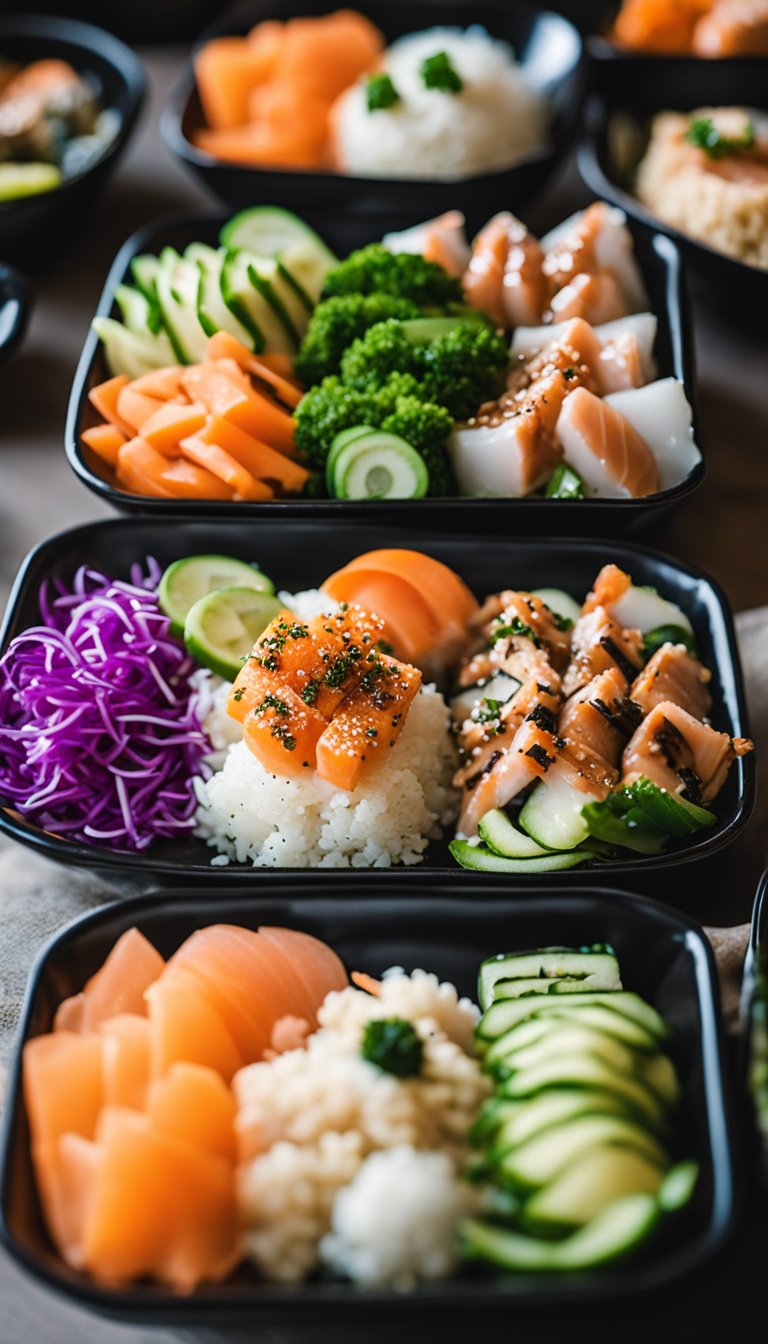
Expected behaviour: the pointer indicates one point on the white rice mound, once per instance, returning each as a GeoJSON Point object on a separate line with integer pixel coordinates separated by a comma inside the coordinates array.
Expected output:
{"type": "Point", "coordinates": [251, 816]}
{"type": "Point", "coordinates": [495, 120]}
{"type": "Point", "coordinates": [308, 1120]}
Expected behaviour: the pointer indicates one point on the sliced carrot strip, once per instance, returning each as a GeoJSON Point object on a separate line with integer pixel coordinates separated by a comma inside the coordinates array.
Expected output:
{"type": "Point", "coordinates": [105, 441]}
{"type": "Point", "coordinates": [135, 407]}
{"type": "Point", "coordinates": [225, 346]}
{"type": "Point", "coordinates": [263, 462]}
{"type": "Point", "coordinates": [189, 481]}
{"type": "Point", "coordinates": [165, 384]}
{"type": "Point", "coordinates": [103, 398]}
{"type": "Point", "coordinates": [171, 423]}
{"type": "Point", "coordinates": [132, 461]}
{"type": "Point", "coordinates": [256, 414]}
{"type": "Point", "coordinates": [221, 464]}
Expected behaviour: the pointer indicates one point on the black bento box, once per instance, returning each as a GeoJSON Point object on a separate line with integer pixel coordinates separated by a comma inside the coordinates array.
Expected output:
{"type": "Point", "coordinates": [663, 955]}
{"type": "Point", "coordinates": [302, 557]}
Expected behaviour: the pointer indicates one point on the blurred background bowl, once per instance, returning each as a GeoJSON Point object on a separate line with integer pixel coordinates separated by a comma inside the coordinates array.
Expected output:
{"type": "Point", "coordinates": [15, 307]}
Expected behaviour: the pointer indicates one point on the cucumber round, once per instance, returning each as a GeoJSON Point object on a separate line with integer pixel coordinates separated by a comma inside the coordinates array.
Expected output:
{"type": "Point", "coordinates": [482, 860]}
{"type": "Point", "coordinates": [186, 581]}
{"type": "Point", "coordinates": [378, 466]}
{"type": "Point", "coordinates": [340, 441]}
{"type": "Point", "coordinates": [268, 230]}
{"type": "Point", "coordinates": [503, 838]}
{"type": "Point", "coordinates": [222, 628]}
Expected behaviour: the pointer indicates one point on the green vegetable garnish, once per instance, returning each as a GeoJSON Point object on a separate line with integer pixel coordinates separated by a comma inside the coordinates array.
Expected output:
{"type": "Point", "coordinates": [515, 627]}
{"type": "Point", "coordinates": [668, 634]}
{"type": "Point", "coordinates": [704, 135]}
{"type": "Point", "coordinates": [380, 93]}
{"type": "Point", "coordinates": [394, 1045]}
{"type": "Point", "coordinates": [439, 72]}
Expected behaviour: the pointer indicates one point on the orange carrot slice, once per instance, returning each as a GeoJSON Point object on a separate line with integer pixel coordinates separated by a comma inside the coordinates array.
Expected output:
{"type": "Point", "coordinates": [165, 384]}
{"type": "Point", "coordinates": [221, 464]}
{"type": "Point", "coordinates": [189, 481]}
{"type": "Point", "coordinates": [135, 407]}
{"type": "Point", "coordinates": [105, 441]}
{"type": "Point", "coordinates": [139, 470]}
{"type": "Point", "coordinates": [171, 423]}
{"type": "Point", "coordinates": [225, 346]}
{"type": "Point", "coordinates": [263, 462]}
{"type": "Point", "coordinates": [226, 70]}
{"type": "Point", "coordinates": [103, 398]}
{"type": "Point", "coordinates": [256, 414]}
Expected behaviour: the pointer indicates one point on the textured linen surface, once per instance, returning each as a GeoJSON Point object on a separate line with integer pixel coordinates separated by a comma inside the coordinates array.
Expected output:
{"type": "Point", "coordinates": [38, 897]}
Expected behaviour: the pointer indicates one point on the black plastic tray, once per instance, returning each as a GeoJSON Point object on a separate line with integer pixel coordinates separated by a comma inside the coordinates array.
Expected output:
{"type": "Point", "coordinates": [739, 290]}
{"type": "Point", "coordinates": [304, 556]}
{"type": "Point", "coordinates": [546, 44]}
{"type": "Point", "coordinates": [756, 951]}
{"type": "Point", "coordinates": [663, 955]}
{"type": "Point", "coordinates": [54, 217]}
{"type": "Point", "coordinates": [15, 307]}
{"type": "Point", "coordinates": [660, 263]}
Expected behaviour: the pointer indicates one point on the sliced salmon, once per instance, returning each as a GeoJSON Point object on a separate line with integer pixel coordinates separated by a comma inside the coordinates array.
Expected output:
{"type": "Point", "coordinates": [610, 584]}
{"type": "Point", "coordinates": [63, 1085]}
{"type": "Point", "coordinates": [497, 775]}
{"type": "Point", "coordinates": [310, 962]}
{"type": "Point", "coordinates": [673, 674]}
{"type": "Point", "coordinates": [594, 726]}
{"type": "Point", "coordinates": [193, 1103]}
{"type": "Point", "coordinates": [162, 1207]}
{"type": "Point", "coordinates": [597, 644]}
{"type": "Point", "coordinates": [119, 985]}
{"type": "Point", "coordinates": [409, 623]}
{"type": "Point", "coordinates": [679, 753]}
{"type": "Point", "coordinates": [368, 722]}
{"type": "Point", "coordinates": [186, 1026]}
{"type": "Point", "coordinates": [508, 617]}
{"type": "Point", "coordinates": [733, 28]}
{"type": "Point", "coordinates": [282, 732]}
{"type": "Point", "coordinates": [125, 1059]}
{"type": "Point", "coordinates": [66, 1170]}
{"type": "Point", "coordinates": [609, 455]}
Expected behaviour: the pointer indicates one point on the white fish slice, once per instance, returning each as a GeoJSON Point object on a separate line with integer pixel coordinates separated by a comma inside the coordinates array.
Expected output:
{"type": "Point", "coordinates": [528, 341]}
{"type": "Point", "coordinates": [661, 414]}
{"type": "Point", "coordinates": [614, 251]}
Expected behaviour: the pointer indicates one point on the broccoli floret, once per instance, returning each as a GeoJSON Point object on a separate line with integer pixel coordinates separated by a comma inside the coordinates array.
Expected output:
{"type": "Point", "coordinates": [337, 322]}
{"type": "Point", "coordinates": [327, 409]}
{"type": "Point", "coordinates": [374, 269]}
{"type": "Point", "coordinates": [383, 350]}
{"type": "Point", "coordinates": [423, 424]}
{"type": "Point", "coordinates": [465, 367]}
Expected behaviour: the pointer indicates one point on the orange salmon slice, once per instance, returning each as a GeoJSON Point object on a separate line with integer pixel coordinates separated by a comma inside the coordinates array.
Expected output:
{"type": "Point", "coordinates": [368, 723]}
{"type": "Point", "coordinates": [604, 449]}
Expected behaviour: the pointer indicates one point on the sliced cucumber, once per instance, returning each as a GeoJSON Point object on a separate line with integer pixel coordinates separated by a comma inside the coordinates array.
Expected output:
{"type": "Point", "coordinates": [491, 1118]}
{"type": "Point", "coordinates": [525, 1033]}
{"type": "Point", "coordinates": [377, 466]}
{"type": "Point", "coordinates": [269, 231]}
{"type": "Point", "coordinates": [678, 1186]}
{"type": "Point", "coordinates": [585, 1071]}
{"type": "Point", "coordinates": [562, 604]}
{"type": "Point", "coordinates": [27, 179]}
{"type": "Point", "coordinates": [659, 1072]}
{"type": "Point", "coordinates": [555, 963]}
{"type": "Point", "coordinates": [222, 628]}
{"type": "Point", "coordinates": [481, 860]}
{"type": "Point", "coordinates": [203, 255]}
{"type": "Point", "coordinates": [137, 312]}
{"type": "Point", "coordinates": [212, 312]}
{"type": "Point", "coordinates": [186, 581]}
{"type": "Point", "coordinates": [177, 285]}
{"type": "Point", "coordinates": [526, 1119]}
{"type": "Point", "coordinates": [266, 276]}
{"type": "Point", "coordinates": [129, 353]}
{"type": "Point", "coordinates": [144, 269]}
{"type": "Point", "coordinates": [564, 483]}
{"type": "Point", "coordinates": [644, 610]}
{"type": "Point", "coordinates": [619, 1228]}
{"type": "Point", "coordinates": [503, 838]}
{"type": "Point", "coordinates": [500, 687]}
{"type": "Point", "coordinates": [588, 1186]}
{"type": "Point", "coordinates": [543, 1157]}
{"type": "Point", "coordinates": [504, 1014]}
{"type": "Point", "coordinates": [612, 1024]}
{"type": "Point", "coordinates": [247, 304]}
{"type": "Point", "coordinates": [569, 1038]}
{"type": "Point", "coordinates": [552, 814]}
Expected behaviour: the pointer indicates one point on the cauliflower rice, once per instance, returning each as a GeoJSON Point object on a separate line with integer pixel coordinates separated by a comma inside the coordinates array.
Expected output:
{"type": "Point", "coordinates": [677, 184]}
{"type": "Point", "coordinates": [309, 1120]}
{"type": "Point", "coordinates": [495, 120]}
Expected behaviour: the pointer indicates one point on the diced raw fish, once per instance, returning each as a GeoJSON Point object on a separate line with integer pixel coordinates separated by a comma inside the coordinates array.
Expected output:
{"type": "Point", "coordinates": [596, 239]}
{"type": "Point", "coordinates": [595, 297]}
{"type": "Point", "coordinates": [368, 722]}
{"type": "Point", "coordinates": [679, 753]}
{"type": "Point", "coordinates": [443, 240]}
{"type": "Point", "coordinates": [662, 416]}
{"type": "Point", "coordinates": [597, 644]}
{"type": "Point", "coordinates": [609, 455]}
{"type": "Point", "coordinates": [283, 731]}
{"type": "Point", "coordinates": [508, 459]}
{"type": "Point", "coordinates": [526, 613]}
{"type": "Point", "coordinates": [504, 277]}
{"type": "Point", "coordinates": [673, 674]}
{"type": "Point", "coordinates": [503, 774]}
{"type": "Point", "coordinates": [529, 341]}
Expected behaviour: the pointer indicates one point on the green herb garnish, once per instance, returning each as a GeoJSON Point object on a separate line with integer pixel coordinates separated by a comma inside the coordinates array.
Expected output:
{"type": "Point", "coordinates": [439, 72]}
{"type": "Point", "coordinates": [380, 93]}
{"type": "Point", "coordinates": [515, 627]}
{"type": "Point", "coordinates": [704, 134]}
{"type": "Point", "coordinates": [393, 1045]}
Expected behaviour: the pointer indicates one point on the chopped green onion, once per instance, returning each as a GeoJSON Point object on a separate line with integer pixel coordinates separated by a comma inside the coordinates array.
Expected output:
{"type": "Point", "coordinates": [439, 72]}
{"type": "Point", "coordinates": [380, 93]}
{"type": "Point", "coordinates": [704, 134]}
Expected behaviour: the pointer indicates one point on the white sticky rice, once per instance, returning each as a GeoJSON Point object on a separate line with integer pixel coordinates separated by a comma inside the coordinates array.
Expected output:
{"type": "Point", "coordinates": [495, 120]}
{"type": "Point", "coordinates": [251, 816]}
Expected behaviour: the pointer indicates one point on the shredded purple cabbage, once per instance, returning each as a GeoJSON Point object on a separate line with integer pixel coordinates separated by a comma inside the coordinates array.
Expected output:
{"type": "Point", "coordinates": [99, 734]}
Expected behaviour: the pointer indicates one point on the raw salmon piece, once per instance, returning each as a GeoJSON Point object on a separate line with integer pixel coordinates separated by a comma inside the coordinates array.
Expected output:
{"type": "Point", "coordinates": [507, 457]}
{"type": "Point", "coordinates": [596, 298]}
{"type": "Point", "coordinates": [733, 28]}
{"type": "Point", "coordinates": [658, 25]}
{"type": "Point", "coordinates": [610, 584]}
{"type": "Point", "coordinates": [310, 962]}
{"type": "Point", "coordinates": [162, 1207]}
{"type": "Point", "coordinates": [186, 1026]}
{"type": "Point", "coordinates": [608, 454]}
{"type": "Point", "coordinates": [69, 1014]}
{"type": "Point", "coordinates": [117, 987]}
{"type": "Point", "coordinates": [193, 1103]}
{"type": "Point", "coordinates": [528, 618]}
{"type": "Point", "coordinates": [504, 773]}
{"type": "Point", "coordinates": [283, 731]}
{"type": "Point", "coordinates": [442, 240]}
{"type": "Point", "coordinates": [324, 55]}
{"type": "Point", "coordinates": [504, 277]}
{"type": "Point", "coordinates": [594, 726]}
{"type": "Point", "coordinates": [672, 674]}
{"type": "Point", "coordinates": [63, 1085]}
{"type": "Point", "coordinates": [483, 281]}
{"type": "Point", "coordinates": [409, 624]}
{"type": "Point", "coordinates": [125, 1059]}
{"type": "Point", "coordinates": [595, 242]}
{"type": "Point", "coordinates": [447, 596]}
{"type": "Point", "coordinates": [66, 1170]}
{"type": "Point", "coordinates": [597, 644]}
{"type": "Point", "coordinates": [678, 753]}
{"type": "Point", "coordinates": [621, 365]}
{"type": "Point", "coordinates": [367, 723]}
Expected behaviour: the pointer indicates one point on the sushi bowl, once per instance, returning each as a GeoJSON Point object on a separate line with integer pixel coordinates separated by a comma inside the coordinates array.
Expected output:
{"type": "Point", "coordinates": [548, 47]}
{"type": "Point", "coordinates": [616, 135]}
{"type": "Point", "coordinates": [663, 276]}
{"type": "Point", "coordinates": [15, 306]}
{"type": "Point", "coordinates": [302, 561]}
{"type": "Point", "coordinates": [26, 224]}
{"type": "Point", "coordinates": [663, 956]}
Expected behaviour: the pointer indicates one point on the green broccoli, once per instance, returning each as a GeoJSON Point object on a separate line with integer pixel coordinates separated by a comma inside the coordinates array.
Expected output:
{"type": "Point", "coordinates": [398, 406]}
{"type": "Point", "coordinates": [337, 322]}
{"type": "Point", "coordinates": [383, 350]}
{"type": "Point", "coordinates": [374, 269]}
{"type": "Point", "coordinates": [394, 1045]}
{"type": "Point", "coordinates": [327, 409]}
{"type": "Point", "coordinates": [465, 367]}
